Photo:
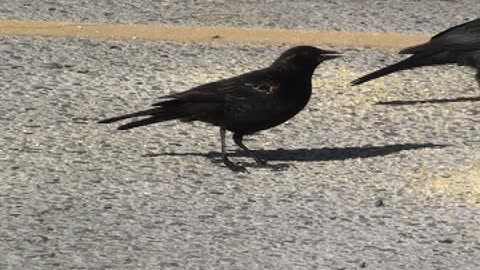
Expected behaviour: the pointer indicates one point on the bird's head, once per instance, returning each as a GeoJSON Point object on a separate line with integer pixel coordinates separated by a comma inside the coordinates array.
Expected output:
{"type": "Point", "coordinates": [303, 59]}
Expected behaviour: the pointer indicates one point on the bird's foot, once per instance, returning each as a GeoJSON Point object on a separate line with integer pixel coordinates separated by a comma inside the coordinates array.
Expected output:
{"type": "Point", "coordinates": [234, 167]}
{"type": "Point", "coordinates": [261, 162]}
{"type": "Point", "coordinates": [237, 168]}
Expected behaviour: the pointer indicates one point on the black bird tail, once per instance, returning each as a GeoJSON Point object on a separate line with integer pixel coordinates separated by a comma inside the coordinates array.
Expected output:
{"type": "Point", "coordinates": [148, 121]}
{"type": "Point", "coordinates": [126, 116]}
{"type": "Point", "coordinates": [409, 63]}
{"type": "Point", "coordinates": [159, 114]}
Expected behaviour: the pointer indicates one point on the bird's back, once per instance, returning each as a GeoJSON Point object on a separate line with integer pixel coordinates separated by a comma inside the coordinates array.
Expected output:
{"type": "Point", "coordinates": [463, 37]}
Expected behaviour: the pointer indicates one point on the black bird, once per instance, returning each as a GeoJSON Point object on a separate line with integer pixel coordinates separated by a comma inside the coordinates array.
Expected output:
{"type": "Point", "coordinates": [244, 104]}
{"type": "Point", "coordinates": [458, 45]}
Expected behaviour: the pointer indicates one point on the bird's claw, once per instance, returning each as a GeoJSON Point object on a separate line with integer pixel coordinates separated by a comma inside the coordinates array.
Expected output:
{"type": "Point", "coordinates": [237, 168]}
{"type": "Point", "coordinates": [234, 167]}
{"type": "Point", "coordinates": [261, 162]}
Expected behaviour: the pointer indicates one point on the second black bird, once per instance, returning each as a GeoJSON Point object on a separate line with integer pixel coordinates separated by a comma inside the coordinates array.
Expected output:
{"type": "Point", "coordinates": [457, 45]}
{"type": "Point", "coordinates": [244, 104]}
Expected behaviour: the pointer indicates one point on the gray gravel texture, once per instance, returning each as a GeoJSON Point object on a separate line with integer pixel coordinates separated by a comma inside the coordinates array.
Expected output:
{"type": "Point", "coordinates": [354, 15]}
{"type": "Point", "coordinates": [351, 185]}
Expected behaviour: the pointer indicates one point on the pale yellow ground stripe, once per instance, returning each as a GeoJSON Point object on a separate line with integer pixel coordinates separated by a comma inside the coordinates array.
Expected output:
{"type": "Point", "coordinates": [204, 34]}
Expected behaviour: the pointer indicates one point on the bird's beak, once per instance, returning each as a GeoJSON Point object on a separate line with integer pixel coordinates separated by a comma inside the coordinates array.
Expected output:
{"type": "Point", "coordinates": [327, 55]}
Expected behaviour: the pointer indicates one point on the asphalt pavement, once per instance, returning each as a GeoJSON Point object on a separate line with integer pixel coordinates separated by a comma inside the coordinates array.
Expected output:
{"type": "Point", "coordinates": [381, 176]}
{"type": "Point", "coordinates": [353, 15]}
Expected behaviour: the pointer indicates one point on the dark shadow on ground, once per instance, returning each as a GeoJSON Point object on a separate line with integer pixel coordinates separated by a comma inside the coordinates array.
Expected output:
{"type": "Point", "coordinates": [320, 154]}
{"type": "Point", "coordinates": [428, 101]}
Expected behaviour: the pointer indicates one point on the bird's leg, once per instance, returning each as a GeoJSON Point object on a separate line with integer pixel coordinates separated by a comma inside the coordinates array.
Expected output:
{"type": "Point", "coordinates": [225, 159]}
{"type": "Point", "coordinates": [237, 138]}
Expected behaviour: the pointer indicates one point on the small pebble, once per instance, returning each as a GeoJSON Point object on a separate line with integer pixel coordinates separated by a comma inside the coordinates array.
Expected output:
{"type": "Point", "coordinates": [379, 203]}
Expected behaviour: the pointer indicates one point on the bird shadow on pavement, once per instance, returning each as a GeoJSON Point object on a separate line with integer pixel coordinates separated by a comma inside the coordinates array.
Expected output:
{"type": "Point", "coordinates": [310, 155]}
{"type": "Point", "coordinates": [428, 101]}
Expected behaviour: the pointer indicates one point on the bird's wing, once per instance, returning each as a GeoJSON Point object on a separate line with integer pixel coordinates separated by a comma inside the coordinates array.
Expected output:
{"type": "Point", "coordinates": [205, 102]}
{"type": "Point", "coordinates": [257, 84]}
{"type": "Point", "coordinates": [203, 93]}
{"type": "Point", "coordinates": [253, 84]}
{"type": "Point", "coordinates": [463, 37]}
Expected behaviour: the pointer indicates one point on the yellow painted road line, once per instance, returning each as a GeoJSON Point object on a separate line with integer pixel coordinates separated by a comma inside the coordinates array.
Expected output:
{"type": "Point", "coordinates": [181, 33]}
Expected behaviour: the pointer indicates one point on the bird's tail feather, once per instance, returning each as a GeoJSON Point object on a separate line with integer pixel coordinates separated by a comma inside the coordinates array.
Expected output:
{"type": "Point", "coordinates": [408, 63]}
{"type": "Point", "coordinates": [126, 116]}
{"type": "Point", "coordinates": [184, 110]}
{"type": "Point", "coordinates": [150, 120]}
